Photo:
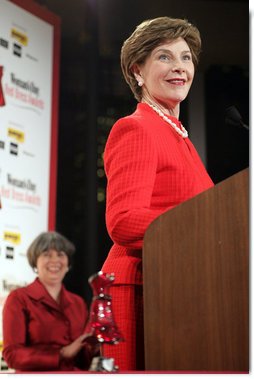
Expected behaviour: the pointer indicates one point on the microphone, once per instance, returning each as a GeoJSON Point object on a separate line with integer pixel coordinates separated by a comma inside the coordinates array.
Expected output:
{"type": "Point", "coordinates": [234, 118]}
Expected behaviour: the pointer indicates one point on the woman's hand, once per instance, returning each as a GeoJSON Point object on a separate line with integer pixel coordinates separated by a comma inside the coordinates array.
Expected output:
{"type": "Point", "coordinates": [71, 350]}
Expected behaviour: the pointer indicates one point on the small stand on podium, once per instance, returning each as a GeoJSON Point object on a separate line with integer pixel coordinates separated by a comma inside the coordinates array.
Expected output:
{"type": "Point", "coordinates": [196, 275]}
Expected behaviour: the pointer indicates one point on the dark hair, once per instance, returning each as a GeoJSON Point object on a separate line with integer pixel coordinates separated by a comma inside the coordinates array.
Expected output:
{"type": "Point", "coordinates": [46, 241]}
{"type": "Point", "coordinates": [150, 34]}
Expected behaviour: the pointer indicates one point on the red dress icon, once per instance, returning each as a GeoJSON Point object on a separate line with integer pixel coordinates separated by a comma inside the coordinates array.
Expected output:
{"type": "Point", "coordinates": [2, 101]}
{"type": "Point", "coordinates": [101, 324]}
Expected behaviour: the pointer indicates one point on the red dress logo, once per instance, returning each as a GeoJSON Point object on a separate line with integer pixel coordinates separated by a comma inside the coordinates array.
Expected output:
{"type": "Point", "coordinates": [2, 101]}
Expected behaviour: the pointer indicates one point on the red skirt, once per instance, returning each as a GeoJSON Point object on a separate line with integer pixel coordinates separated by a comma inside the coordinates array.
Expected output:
{"type": "Point", "coordinates": [127, 307]}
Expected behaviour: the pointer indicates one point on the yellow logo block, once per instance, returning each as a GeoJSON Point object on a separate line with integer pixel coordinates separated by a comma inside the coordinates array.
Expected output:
{"type": "Point", "coordinates": [17, 134]}
{"type": "Point", "coordinates": [20, 37]}
{"type": "Point", "coordinates": [12, 237]}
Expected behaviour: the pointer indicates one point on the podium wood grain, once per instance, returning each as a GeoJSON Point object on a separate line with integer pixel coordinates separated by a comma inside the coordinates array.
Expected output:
{"type": "Point", "coordinates": [195, 262]}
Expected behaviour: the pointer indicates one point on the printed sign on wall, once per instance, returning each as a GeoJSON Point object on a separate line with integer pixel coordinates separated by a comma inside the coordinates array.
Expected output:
{"type": "Point", "coordinates": [27, 121]}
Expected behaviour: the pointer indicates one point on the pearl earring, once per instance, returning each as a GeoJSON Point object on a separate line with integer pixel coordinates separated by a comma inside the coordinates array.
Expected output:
{"type": "Point", "coordinates": [140, 83]}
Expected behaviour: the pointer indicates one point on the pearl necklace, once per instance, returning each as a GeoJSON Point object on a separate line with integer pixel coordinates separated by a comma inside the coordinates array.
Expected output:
{"type": "Point", "coordinates": [182, 132]}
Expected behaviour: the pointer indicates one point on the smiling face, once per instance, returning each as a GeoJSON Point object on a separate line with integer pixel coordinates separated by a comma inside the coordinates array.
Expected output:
{"type": "Point", "coordinates": [52, 266]}
{"type": "Point", "coordinates": [167, 74]}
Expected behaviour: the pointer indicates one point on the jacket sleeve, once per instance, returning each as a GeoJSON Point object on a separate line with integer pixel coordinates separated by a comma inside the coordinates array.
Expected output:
{"type": "Point", "coordinates": [16, 353]}
{"type": "Point", "coordinates": [130, 163]}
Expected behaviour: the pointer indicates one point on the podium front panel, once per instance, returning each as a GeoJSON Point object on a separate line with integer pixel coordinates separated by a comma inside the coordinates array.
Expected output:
{"type": "Point", "coordinates": [195, 263]}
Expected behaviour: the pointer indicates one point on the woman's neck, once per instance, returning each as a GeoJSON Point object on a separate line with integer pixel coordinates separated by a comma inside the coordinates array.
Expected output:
{"type": "Point", "coordinates": [165, 108]}
{"type": "Point", "coordinates": [54, 290]}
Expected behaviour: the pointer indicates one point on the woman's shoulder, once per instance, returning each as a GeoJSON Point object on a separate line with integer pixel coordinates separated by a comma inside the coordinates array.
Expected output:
{"type": "Point", "coordinates": [19, 290]}
{"type": "Point", "coordinates": [17, 295]}
{"type": "Point", "coordinates": [32, 289]}
{"type": "Point", "coordinates": [140, 116]}
{"type": "Point", "coordinates": [139, 123]}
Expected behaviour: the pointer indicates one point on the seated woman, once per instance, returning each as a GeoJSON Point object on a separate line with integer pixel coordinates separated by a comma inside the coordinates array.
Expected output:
{"type": "Point", "coordinates": [43, 323]}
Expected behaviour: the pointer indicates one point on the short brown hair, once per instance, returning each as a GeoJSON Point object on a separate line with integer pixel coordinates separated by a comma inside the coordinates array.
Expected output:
{"type": "Point", "coordinates": [46, 241]}
{"type": "Point", "coordinates": [150, 34]}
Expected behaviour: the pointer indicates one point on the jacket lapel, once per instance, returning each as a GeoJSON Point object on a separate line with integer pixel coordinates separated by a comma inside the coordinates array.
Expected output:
{"type": "Point", "coordinates": [38, 292]}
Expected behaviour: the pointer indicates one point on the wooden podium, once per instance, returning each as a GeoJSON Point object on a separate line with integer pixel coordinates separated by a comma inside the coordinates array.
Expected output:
{"type": "Point", "coordinates": [196, 276]}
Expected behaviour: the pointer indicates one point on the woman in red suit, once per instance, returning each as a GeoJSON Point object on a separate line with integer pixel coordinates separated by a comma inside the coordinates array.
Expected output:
{"type": "Point", "coordinates": [150, 163]}
{"type": "Point", "coordinates": [43, 323]}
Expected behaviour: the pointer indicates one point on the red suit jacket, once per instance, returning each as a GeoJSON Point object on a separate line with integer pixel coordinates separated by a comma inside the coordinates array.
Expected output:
{"type": "Point", "coordinates": [35, 328]}
{"type": "Point", "coordinates": [150, 169]}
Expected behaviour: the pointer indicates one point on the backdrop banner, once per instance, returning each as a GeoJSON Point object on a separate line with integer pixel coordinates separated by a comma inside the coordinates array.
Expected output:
{"type": "Point", "coordinates": [27, 122]}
